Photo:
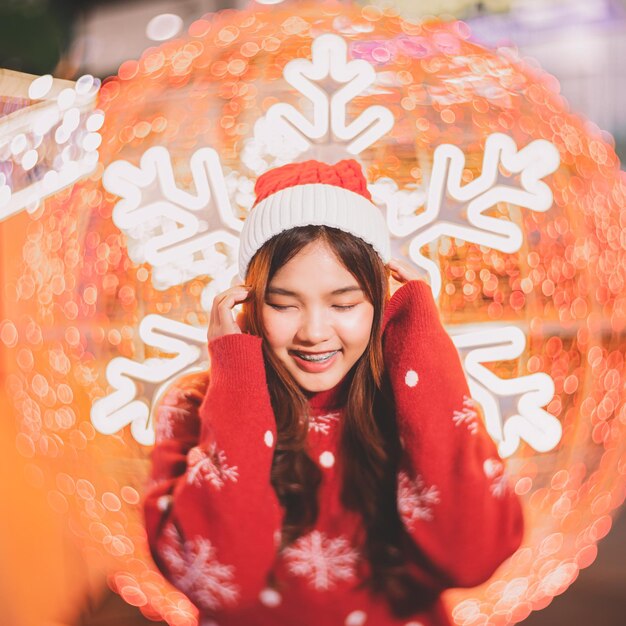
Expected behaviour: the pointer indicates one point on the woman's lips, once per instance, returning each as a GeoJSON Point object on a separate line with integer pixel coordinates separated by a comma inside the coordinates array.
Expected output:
{"type": "Point", "coordinates": [314, 366]}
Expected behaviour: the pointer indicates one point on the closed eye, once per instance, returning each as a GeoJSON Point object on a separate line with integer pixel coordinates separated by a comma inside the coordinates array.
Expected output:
{"type": "Point", "coordinates": [344, 307]}
{"type": "Point", "coordinates": [279, 307]}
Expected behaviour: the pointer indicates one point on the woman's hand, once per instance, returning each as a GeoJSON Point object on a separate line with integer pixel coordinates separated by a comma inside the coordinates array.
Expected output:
{"type": "Point", "coordinates": [402, 273]}
{"type": "Point", "coordinates": [222, 321]}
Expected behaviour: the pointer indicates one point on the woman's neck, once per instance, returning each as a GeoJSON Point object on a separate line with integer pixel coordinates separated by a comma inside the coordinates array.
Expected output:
{"type": "Point", "coordinates": [332, 398]}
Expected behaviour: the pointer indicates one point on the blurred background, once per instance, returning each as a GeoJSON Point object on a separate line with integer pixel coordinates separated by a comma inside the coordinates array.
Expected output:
{"type": "Point", "coordinates": [580, 42]}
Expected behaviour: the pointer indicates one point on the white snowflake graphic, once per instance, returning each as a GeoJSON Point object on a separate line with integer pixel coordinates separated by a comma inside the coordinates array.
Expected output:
{"type": "Point", "coordinates": [494, 470]}
{"type": "Point", "coordinates": [467, 415]}
{"type": "Point", "coordinates": [195, 570]}
{"type": "Point", "coordinates": [322, 560]}
{"type": "Point", "coordinates": [284, 133]}
{"type": "Point", "coordinates": [458, 210]}
{"type": "Point", "coordinates": [209, 467]}
{"type": "Point", "coordinates": [322, 423]}
{"type": "Point", "coordinates": [512, 407]}
{"type": "Point", "coordinates": [121, 406]}
{"type": "Point", "coordinates": [167, 416]}
{"type": "Point", "coordinates": [415, 499]}
{"type": "Point", "coordinates": [180, 234]}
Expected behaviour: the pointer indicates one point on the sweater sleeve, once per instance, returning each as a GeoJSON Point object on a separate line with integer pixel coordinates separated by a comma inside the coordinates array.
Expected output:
{"type": "Point", "coordinates": [212, 517]}
{"type": "Point", "coordinates": [453, 496]}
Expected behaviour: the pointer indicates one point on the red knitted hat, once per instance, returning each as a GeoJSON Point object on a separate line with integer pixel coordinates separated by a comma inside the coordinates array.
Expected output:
{"type": "Point", "coordinates": [311, 192]}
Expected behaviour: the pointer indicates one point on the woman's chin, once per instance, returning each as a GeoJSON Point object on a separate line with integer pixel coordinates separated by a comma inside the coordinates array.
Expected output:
{"type": "Point", "coordinates": [314, 383]}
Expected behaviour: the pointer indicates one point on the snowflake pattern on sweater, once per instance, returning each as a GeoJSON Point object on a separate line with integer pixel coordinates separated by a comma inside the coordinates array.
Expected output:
{"type": "Point", "coordinates": [209, 466]}
{"type": "Point", "coordinates": [494, 471]}
{"type": "Point", "coordinates": [194, 570]}
{"type": "Point", "coordinates": [322, 560]}
{"type": "Point", "coordinates": [322, 423]}
{"type": "Point", "coordinates": [167, 416]}
{"type": "Point", "coordinates": [467, 415]}
{"type": "Point", "coordinates": [415, 499]}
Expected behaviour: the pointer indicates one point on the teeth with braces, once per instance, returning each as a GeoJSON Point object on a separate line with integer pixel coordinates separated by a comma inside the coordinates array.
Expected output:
{"type": "Point", "coordinates": [317, 357]}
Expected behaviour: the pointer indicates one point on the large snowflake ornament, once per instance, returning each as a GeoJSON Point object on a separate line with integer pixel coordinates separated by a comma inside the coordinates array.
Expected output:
{"type": "Point", "coordinates": [125, 404]}
{"type": "Point", "coordinates": [322, 560]}
{"type": "Point", "coordinates": [195, 570]}
{"type": "Point", "coordinates": [329, 82]}
{"type": "Point", "coordinates": [512, 407]}
{"type": "Point", "coordinates": [459, 210]}
{"type": "Point", "coordinates": [181, 235]}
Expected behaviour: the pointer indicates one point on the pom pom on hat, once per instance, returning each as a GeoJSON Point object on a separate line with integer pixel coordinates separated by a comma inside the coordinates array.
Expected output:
{"type": "Point", "coordinates": [313, 193]}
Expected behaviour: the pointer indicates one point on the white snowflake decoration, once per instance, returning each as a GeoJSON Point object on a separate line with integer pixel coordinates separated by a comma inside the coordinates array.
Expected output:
{"type": "Point", "coordinates": [284, 133]}
{"type": "Point", "coordinates": [467, 415]}
{"type": "Point", "coordinates": [494, 470]}
{"type": "Point", "coordinates": [512, 407]}
{"type": "Point", "coordinates": [121, 406]}
{"type": "Point", "coordinates": [167, 416]}
{"type": "Point", "coordinates": [415, 499]}
{"type": "Point", "coordinates": [167, 227]}
{"type": "Point", "coordinates": [195, 570]}
{"type": "Point", "coordinates": [322, 560]}
{"type": "Point", "coordinates": [458, 210]}
{"type": "Point", "coordinates": [210, 467]}
{"type": "Point", "coordinates": [322, 423]}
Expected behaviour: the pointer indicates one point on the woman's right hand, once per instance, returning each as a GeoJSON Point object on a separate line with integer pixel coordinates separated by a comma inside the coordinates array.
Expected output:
{"type": "Point", "coordinates": [221, 321]}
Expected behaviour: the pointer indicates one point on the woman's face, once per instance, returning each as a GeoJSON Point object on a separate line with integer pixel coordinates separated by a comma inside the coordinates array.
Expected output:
{"type": "Point", "coordinates": [317, 320]}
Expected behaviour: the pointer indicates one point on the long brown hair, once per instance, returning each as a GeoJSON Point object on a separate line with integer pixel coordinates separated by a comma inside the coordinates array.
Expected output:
{"type": "Point", "coordinates": [369, 446]}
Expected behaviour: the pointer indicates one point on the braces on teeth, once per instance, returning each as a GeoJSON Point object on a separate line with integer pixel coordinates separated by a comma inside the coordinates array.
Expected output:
{"type": "Point", "coordinates": [323, 357]}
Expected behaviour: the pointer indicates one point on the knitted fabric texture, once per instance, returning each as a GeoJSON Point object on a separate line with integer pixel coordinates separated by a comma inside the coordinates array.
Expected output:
{"type": "Point", "coordinates": [313, 193]}
{"type": "Point", "coordinates": [346, 174]}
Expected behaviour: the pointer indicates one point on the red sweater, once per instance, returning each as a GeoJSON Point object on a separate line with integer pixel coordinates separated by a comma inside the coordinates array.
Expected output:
{"type": "Point", "coordinates": [213, 519]}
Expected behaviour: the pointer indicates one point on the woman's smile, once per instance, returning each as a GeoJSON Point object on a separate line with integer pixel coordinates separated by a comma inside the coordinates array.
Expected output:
{"type": "Point", "coordinates": [315, 362]}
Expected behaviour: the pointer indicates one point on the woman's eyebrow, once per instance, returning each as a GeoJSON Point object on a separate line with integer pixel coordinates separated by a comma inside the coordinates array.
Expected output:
{"type": "Point", "coordinates": [279, 291]}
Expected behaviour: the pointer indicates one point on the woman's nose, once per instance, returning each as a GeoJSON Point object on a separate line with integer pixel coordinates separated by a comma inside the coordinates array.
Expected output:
{"type": "Point", "coordinates": [314, 328]}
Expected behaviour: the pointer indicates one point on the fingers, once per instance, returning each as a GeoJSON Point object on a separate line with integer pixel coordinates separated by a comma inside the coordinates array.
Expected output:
{"type": "Point", "coordinates": [402, 272]}
{"type": "Point", "coordinates": [221, 320]}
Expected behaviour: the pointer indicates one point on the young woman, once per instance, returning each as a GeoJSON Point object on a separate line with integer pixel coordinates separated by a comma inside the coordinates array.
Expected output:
{"type": "Point", "coordinates": [331, 468]}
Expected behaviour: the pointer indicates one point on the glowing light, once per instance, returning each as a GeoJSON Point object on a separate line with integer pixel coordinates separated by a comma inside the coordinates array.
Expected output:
{"type": "Point", "coordinates": [29, 160]}
{"type": "Point", "coordinates": [40, 87]}
{"type": "Point", "coordinates": [329, 60]}
{"type": "Point", "coordinates": [120, 407]}
{"type": "Point", "coordinates": [164, 26]}
{"type": "Point", "coordinates": [541, 430]}
{"type": "Point", "coordinates": [66, 98]}
{"type": "Point", "coordinates": [43, 142]}
{"type": "Point", "coordinates": [161, 221]}
{"type": "Point", "coordinates": [533, 162]}
{"type": "Point", "coordinates": [94, 121]}
{"type": "Point", "coordinates": [18, 144]}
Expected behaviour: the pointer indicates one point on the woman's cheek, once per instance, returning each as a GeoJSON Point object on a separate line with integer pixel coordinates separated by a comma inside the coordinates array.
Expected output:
{"type": "Point", "coordinates": [357, 326]}
{"type": "Point", "coordinates": [277, 327]}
